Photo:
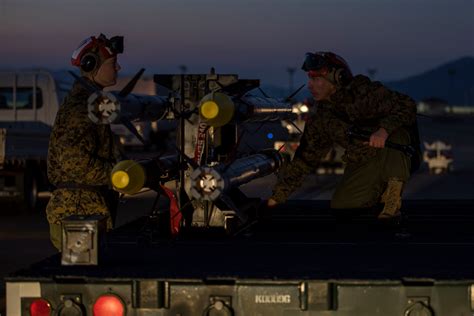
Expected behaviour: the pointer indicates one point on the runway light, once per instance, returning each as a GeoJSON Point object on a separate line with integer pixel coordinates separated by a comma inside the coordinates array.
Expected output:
{"type": "Point", "coordinates": [304, 108]}
{"type": "Point", "coordinates": [40, 307]}
{"type": "Point", "coordinates": [270, 135]}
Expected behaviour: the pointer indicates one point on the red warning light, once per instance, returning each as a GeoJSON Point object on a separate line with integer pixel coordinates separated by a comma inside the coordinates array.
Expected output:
{"type": "Point", "coordinates": [108, 305]}
{"type": "Point", "coordinates": [40, 307]}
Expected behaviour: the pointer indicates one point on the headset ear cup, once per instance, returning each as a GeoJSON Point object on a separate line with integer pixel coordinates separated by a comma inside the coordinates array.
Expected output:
{"type": "Point", "coordinates": [341, 76]}
{"type": "Point", "coordinates": [337, 76]}
{"type": "Point", "coordinates": [89, 62]}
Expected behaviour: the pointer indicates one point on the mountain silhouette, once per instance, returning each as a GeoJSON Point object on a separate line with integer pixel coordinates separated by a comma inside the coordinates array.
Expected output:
{"type": "Point", "coordinates": [453, 82]}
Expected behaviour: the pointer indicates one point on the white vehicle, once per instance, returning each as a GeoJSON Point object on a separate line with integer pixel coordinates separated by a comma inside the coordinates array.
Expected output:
{"type": "Point", "coordinates": [29, 101]}
{"type": "Point", "coordinates": [438, 156]}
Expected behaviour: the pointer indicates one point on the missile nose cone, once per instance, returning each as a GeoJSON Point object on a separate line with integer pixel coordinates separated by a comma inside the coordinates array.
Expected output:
{"type": "Point", "coordinates": [216, 109]}
{"type": "Point", "coordinates": [128, 177]}
{"type": "Point", "coordinates": [209, 109]}
{"type": "Point", "coordinates": [120, 179]}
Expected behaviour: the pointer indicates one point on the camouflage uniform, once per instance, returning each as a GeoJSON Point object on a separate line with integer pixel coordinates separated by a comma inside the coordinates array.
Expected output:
{"type": "Point", "coordinates": [369, 106]}
{"type": "Point", "coordinates": [80, 158]}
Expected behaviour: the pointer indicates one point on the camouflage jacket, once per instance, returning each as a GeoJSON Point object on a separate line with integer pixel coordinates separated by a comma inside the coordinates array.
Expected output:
{"type": "Point", "coordinates": [365, 104]}
{"type": "Point", "coordinates": [80, 152]}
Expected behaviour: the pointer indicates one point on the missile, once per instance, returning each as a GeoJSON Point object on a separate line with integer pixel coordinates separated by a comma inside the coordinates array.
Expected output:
{"type": "Point", "coordinates": [110, 107]}
{"type": "Point", "coordinates": [130, 176]}
{"type": "Point", "coordinates": [210, 183]}
{"type": "Point", "coordinates": [218, 109]}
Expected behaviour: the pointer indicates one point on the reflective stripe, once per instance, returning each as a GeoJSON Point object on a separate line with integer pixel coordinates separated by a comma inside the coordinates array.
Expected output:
{"type": "Point", "coordinates": [81, 47]}
{"type": "Point", "coordinates": [17, 290]}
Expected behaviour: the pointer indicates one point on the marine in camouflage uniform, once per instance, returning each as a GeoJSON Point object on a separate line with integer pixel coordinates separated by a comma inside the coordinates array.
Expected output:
{"type": "Point", "coordinates": [371, 174]}
{"type": "Point", "coordinates": [81, 153]}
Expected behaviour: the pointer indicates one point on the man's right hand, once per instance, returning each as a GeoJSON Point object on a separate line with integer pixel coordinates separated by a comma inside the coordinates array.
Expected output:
{"type": "Point", "coordinates": [271, 202]}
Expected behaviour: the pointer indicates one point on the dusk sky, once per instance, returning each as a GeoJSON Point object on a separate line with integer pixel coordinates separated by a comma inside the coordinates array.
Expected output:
{"type": "Point", "coordinates": [255, 39]}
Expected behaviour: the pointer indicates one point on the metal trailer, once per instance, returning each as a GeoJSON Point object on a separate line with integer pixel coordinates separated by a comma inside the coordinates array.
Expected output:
{"type": "Point", "coordinates": [296, 260]}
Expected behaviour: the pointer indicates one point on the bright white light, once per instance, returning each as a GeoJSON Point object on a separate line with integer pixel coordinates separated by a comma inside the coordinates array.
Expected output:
{"type": "Point", "coordinates": [304, 108]}
{"type": "Point", "coordinates": [296, 108]}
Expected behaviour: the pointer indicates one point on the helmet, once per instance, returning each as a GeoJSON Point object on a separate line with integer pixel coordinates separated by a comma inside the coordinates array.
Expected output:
{"type": "Point", "coordinates": [92, 52]}
{"type": "Point", "coordinates": [328, 65]}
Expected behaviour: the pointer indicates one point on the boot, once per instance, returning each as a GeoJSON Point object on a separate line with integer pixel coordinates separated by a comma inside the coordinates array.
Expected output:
{"type": "Point", "coordinates": [392, 199]}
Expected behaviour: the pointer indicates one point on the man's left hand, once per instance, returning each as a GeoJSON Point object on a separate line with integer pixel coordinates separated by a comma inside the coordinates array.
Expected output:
{"type": "Point", "coordinates": [378, 138]}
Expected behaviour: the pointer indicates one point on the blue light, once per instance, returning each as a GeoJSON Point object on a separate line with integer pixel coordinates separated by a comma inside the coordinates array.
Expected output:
{"type": "Point", "coordinates": [270, 135]}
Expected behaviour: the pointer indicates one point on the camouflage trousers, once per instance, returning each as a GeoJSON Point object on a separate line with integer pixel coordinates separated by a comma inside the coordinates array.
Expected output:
{"type": "Point", "coordinates": [363, 183]}
{"type": "Point", "coordinates": [66, 202]}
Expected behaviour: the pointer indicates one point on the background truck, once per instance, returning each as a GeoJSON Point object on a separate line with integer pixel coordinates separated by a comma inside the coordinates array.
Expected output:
{"type": "Point", "coordinates": [29, 101]}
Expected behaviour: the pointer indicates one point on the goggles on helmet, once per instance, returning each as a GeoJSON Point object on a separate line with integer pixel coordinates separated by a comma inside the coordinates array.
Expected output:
{"type": "Point", "coordinates": [107, 47]}
{"type": "Point", "coordinates": [322, 63]}
{"type": "Point", "coordinates": [115, 43]}
{"type": "Point", "coordinates": [314, 62]}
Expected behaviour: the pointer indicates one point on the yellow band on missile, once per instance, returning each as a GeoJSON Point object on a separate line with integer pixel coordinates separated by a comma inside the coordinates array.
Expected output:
{"type": "Point", "coordinates": [209, 110]}
{"type": "Point", "coordinates": [128, 176]}
{"type": "Point", "coordinates": [120, 179]}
